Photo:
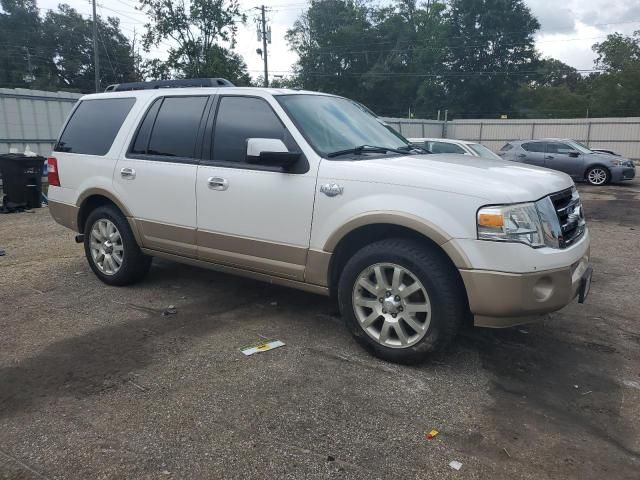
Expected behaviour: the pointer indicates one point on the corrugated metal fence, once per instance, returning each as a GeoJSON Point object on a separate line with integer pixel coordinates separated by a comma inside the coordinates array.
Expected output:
{"type": "Point", "coordinates": [33, 118]}
{"type": "Point", "coordinates": [621, 135]}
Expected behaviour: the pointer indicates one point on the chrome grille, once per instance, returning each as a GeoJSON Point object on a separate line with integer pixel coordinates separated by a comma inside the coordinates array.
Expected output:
{"type": "Point", "coordinates": [568, 207]}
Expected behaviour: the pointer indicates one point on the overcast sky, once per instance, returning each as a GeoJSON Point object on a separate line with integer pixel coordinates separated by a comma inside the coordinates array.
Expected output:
{"type": "Point", "coordinates": [568, 28]}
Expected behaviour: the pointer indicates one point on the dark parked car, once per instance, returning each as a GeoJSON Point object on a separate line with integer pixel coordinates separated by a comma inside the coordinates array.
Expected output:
{"type": "Point", "coordinates": [570, 157]}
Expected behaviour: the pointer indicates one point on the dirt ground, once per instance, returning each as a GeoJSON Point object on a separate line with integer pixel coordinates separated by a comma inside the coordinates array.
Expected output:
{"type": "Point", "coordinates": [96, 383]}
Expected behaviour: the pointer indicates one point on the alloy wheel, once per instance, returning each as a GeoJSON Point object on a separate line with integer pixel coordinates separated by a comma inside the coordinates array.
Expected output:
{"type": "Point", "coordinates": [391, 305]}
{"type": "Point", "coordinates": [597, 176]}
{"type": "Point", "coordinates": [105, 244]}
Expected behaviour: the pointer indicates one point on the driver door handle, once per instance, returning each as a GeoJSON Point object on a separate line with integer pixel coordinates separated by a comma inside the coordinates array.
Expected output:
{"type": "Point", "coordinates": [218, 183]}
{"type": "Point", "coordinates": [548, 157]}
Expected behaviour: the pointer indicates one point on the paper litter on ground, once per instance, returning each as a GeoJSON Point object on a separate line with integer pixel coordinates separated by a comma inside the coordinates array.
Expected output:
{"type": "Point", "coordinates": [262, 347]}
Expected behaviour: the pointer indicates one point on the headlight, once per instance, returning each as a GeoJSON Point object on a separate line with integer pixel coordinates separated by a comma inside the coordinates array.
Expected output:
{"type": "Point", "coordinates": [511, 223]}
{"type": "Point", "coordinates": [617, 163]}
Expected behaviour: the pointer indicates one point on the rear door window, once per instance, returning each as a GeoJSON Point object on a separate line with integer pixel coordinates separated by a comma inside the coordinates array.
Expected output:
{"type": "Point", "coordinates": [94, 125]}
{"type": "Point", "coordinates": [536, 147]}
{"type": "Point", "coordinates": [176, 126]}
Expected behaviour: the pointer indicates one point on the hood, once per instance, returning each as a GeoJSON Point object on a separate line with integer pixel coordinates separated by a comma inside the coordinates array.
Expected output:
{"type": "Point", "coordinates": [496, 181]}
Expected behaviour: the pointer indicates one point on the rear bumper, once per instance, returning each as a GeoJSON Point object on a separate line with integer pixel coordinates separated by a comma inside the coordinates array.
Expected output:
{"type": "Point", "coordinates": [65, 214]}
{"type": "Point", "coordinates": [499, 299]}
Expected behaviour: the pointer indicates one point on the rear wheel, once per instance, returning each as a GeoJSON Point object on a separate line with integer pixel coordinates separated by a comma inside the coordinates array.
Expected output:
{"type": "Point", "coordinates": [598, 175]}
{"type": "Point", "coordinates": [111, 249]}
{"type": "Point", "coordinates": [401, 299]}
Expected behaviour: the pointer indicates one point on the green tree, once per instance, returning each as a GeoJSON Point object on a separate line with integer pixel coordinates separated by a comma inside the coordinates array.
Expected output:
{"type": "Point", "coordinates": [616, 91]}
{"type": "Point", "coordinates": [68, 40]}
{"type": "Point", "coordinates": [332, 40]}
{"type": "Point", "coordinates": [412, 51]}
{"type": "Point", "coordinates": [490, 48]}
{"type": "Point", "coordinates": [22, 61]}
{"type": "Point", "coordinates": [197, 29]}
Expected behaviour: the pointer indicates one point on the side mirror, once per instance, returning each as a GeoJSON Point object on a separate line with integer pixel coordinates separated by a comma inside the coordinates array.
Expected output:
{"type": "Point", "coordinates": [574, 154]}
{"type": "Point", "coordinates": [270, 152]}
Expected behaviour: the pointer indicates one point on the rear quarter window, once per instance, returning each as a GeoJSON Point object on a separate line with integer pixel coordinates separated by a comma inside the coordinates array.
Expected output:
{"type": "Point", "coordinates": [506, 147]}
{"type": "Point", "coordinates": [94, 125]}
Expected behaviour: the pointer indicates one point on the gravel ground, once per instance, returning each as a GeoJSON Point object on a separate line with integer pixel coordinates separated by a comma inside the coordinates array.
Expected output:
{"type": "Point", "coordinates": [96, 383]}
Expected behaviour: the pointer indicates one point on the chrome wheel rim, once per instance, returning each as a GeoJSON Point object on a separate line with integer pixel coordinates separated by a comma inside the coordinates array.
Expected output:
{"type": "Point", "coordinates": [105, 244]}
{"type": "Point", "coordinates": [597, 176]}
{"type": "Point", "coordinates": [391, 305]}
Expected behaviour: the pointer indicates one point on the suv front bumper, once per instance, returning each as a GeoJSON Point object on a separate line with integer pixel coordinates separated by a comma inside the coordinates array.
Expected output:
{"type": "Point", "coordinates": [500, 299]}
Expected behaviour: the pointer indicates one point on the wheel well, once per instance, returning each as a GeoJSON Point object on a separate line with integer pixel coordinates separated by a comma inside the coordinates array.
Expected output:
{"type": "Point", "coordinates": [367, 234]}
{"type": "Point", "coordinates": [89, 205]}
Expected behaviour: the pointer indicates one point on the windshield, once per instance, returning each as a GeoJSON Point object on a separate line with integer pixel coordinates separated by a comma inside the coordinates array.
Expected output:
{"type": "Point", "coordinates": [483, 151]}
{"type": "Point", "coordinates": [332, 124]}
{"type": "Point", "coordinates": [578, 146]}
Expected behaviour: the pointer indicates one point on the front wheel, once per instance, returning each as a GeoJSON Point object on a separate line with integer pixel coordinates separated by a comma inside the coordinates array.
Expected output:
{"type": "Point", "coordinates": [598, 176]}
{"type": "Point", "coordinates": [401, 299]}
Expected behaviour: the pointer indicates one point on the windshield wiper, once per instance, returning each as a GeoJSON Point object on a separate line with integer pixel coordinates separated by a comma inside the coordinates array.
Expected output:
{"type": "Point", "coordinates": [365, 148]}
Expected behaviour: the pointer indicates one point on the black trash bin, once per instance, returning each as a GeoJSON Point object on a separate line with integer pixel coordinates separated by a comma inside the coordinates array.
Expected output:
{"type": "Point", "coordinates": [21, 181]}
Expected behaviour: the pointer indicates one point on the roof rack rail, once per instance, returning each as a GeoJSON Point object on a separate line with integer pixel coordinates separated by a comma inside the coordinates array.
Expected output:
{"type": "Point", "coordinates": [182, 83]}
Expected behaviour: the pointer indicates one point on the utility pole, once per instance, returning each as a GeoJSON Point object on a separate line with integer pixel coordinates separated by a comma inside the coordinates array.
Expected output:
{"type": "Point", "coordinates": [96, 59]}
{"type": "Point", "coordinates": [264, 34]}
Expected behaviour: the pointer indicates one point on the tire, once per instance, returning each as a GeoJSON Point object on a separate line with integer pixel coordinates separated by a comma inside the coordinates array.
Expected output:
{"type": "Point", "coordinates": [114, 255]}
{"type": "Point", "coordinates": [598, 176]}
{"type": "Point", "coordinates": [438, 294]}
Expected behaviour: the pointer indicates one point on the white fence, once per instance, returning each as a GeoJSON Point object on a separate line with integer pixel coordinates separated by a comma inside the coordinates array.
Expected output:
{"type": "Point", "coordinates": [33, 118]}
{"type": "Point", "coordinates": [621, 135]}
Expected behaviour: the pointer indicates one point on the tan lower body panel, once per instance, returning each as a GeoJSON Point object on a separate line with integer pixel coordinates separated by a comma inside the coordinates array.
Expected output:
{"type": "Point", "coordinates": [499, 299]}
{"type": "Point", "coordinates": [256, 255]}
{"type": "Point", "coordinates": [65, 214]}
{"type": "Point", "coordinates": [286, 282]}
{"type": "Point", "coordinates": [270, 258]}
{"type": "Point", "coordinates": [167, 238]}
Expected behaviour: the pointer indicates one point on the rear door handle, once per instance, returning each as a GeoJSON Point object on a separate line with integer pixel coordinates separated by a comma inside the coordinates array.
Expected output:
{"type": "Point", "coordinates": [217, 183]}
{"type": "Point", "coordinates": [548, 157]}
{"type": "Point", "coordinates": [128, 173]}
{"type": "Point", "coordinates": [521, 155]}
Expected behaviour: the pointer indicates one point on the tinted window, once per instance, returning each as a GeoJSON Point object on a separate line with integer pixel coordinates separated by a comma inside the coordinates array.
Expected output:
{"type": "Point", "coordinates": [94, 125]}
{"type": "Point", "coordinates": [176, 127]}
{"type": "Point", "coordinates": [442, 147]}
{"type": "Point", "coordinates": [142, 138]}
{"type": "Point", "coordinates": [537, 147]}
{"type": "Point", "coordinates": [240, 118]}
{"type": "Point", "coordinates": [561, 148]}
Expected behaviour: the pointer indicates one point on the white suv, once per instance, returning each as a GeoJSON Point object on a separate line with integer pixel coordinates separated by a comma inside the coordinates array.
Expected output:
{"type": "Point", "coordinates": [312, 191]}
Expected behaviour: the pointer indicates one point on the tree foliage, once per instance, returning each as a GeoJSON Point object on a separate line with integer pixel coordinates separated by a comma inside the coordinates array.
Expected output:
{"type": "Point", "coordinates": [56, 51]}
{"type": "Point", "coordinates": [474, 58]}
{"type": "Point", "coordinates": [196, 30]}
